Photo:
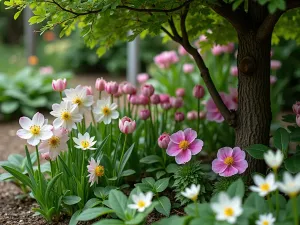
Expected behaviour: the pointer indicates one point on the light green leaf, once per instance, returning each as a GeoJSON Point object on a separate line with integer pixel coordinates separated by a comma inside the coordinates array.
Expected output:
{"type": "Point", "coordinates": [164, 206]}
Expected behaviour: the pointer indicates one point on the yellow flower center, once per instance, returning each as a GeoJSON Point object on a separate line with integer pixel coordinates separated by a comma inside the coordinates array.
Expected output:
{"type": "Point", "coordinates": [99, 171]}
{"type": "Point", "coordinates": [106, 110]}
{"type": "Point", "coordinates": [265, 187]}
{"type": "Point", "coordinates": [194, 197]}
{"type": "Point", "coordinates": [184, 145]}
{"type": "Point", "coordinates": [228, 211]}
{"type": "Point", "coordinates": [54, 142]}
{"type": "Point", "coordinates": [141, 203]}
{"type": "Point", "coordinates": [265, 223]}
{"type": "Point", "coordinates": [77, 101]}
{"type": "Point", "coordinates": [85, 144]}
{"type": "Point", "coordinates": [35, 130]}
{"type": "Point", "coordinates": [65, 116]}
{"type": "Point", "coordinates": [229, 161]}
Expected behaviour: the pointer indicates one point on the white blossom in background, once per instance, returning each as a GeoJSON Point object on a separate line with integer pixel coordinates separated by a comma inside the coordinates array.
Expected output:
{"type": "Point", "coordinates": [265, 219]}
{"type": "Point", "coordinates": [84, 142]}
{"type": "Point", "coordinates": [192, 192]}
{"type": "Point", "coordinates": [264, 186]}
{"type": "Point", "coordinates": [141, 201]}
{"type": "Point", "coordinates": [273, 160]}
{"type": "Point", "coordinates": [105, 111]}
{"type": "Point", "coordinates": [290, 185]}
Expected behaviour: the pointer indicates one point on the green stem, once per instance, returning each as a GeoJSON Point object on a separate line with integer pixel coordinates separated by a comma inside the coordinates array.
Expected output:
{"type": "Point", "coordinates": [93, 117]}
{"type": "Point", "coordinates": [277, 194]}
{"type": "Point", "coordinates": [198, 116]}
{"type": "Point", "coordinates": [196, 208]}
{"type": "Point", "coordinates": [60, 94]}
{"type": "Point", "coordinates": [123, 151]}
{"type": "Point", "coordinates": [270, 203]}
{"type": "Point", "coordinates": [110, 138]}
{"type": "Point", "coordinates": [99, 94]}
{"type": "Point", "coordinates": [52, 169]}
{"type": "Point", "coordinates": [39, 167]}
{"type": "Point", "coordinates": [295, 209]}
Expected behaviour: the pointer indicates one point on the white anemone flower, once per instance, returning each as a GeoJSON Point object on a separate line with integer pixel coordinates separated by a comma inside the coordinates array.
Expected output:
{"type": "Point", "coordinates": [264, 186]}
{"type": "Point", "coordinates": [192, 192]}
{"type": "Point", "coordinates": [273, 160]}
{"type": "Point", "coordinates": [95, 171]}
{"type": "Point", "coordinates": [34, 130]}
{"type": "Point", "coordinates": [265, 219]}
{"type": "Point", "coordinates": [56, 144]}
{"type": "Point", "coordinates": [290, 184]}
{"type": "Point", "coordinates": [105, 111]}
{"type": "Point", "coordinates": [141, 201]}
{"type": "Point", "coordinates": [84, 142]}
{"type": "Point", "coordinates": [79, 96]}
{"type": "Point", "coordinates": [227, 209]}
{"type": "Point", "coordinates": [67, 115]}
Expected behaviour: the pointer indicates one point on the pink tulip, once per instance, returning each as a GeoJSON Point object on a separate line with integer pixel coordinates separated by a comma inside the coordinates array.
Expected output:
{"type": "Point", "coordinates": [176, 102]}
{"type": "Point", "coordinates": [192, 115]}
{"type": "Point", "coordinates": [100, 84]}
{"type": "Point", "coordinates": [296, 108]}
{"type": "Point", "coordinates": [217, 50]}
{"type": "Point", "coordinates": [154, 99]}
{"type": "Point", "coordinates": [273, 79]}
{"type": "Point", "coordinates": [181, 50]}
{"type": "Point", "coordinates": [275, 64]}
{"type": "Point", "coordinates": [166, 106]}
{"type": "Point", "coordinates": [230, 162]}
{"type": "Point", "coordinates": [164, 98]}
{"type": "Point", "coordinates": [127, 125]}
{"type": "Point", "coordinates": [229, 48]}
{"type": "Point", "coordinates": [179, 116]}
{"type": "Point", "coordinates": [298, 120]}
{"type": "Point", "coordinates": [144, 114]}
{"type": "Point", "coordinates": [143, 100]}
{"type": "Point", "coordinates": [89, 90]}
{"type": "Point", "coordinates": [59, 85]}
{"type": "Point", "coordinates": [188, 68]}
{"type": "Point", "coordinates": [147, 90]}
{"type": "Point", "coordinates": [163, 140]}
{"type": "Point", "coordinates": [198, 91]}
{"type": "Point", "coordinates": [142, 77]}
{"type": "Point", "coordinates": [166, 59]}
{"type": "Point", "coordinates": [180, 92]}
{"type": "Point", "coordinates": [183, 144]}
{"type": "Point", "coordinates": [133, 99]}
{"type": "Point", "coordinates": [111, 87]}
{"type": "Point", "coordinates": [128, 88]}
{"type": "Point", "coordinates": [234, 71]}
{"type": "Point", "coordinates": [213, 113]}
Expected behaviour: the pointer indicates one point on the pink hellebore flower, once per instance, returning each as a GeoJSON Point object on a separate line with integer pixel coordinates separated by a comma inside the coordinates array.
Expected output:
{"type": "Point", "coordinates": [142, 78]}
{"type": "Point", "coordinates": [163, 140]}
{"type": "Point", "coordinates": [234, 71]}
{"type": "Point", "coordinates": [100, 84]}
{"type": "Point", "coordinates": [154, 99]}
{"type": "Point", "coordinates": [275, 64]}
{"type": "Point", "coordinates": [188, 68]}
{"type": "Point", "coordinates": [165, 59]}
{"type": "Point", "coordinates": [147, 90]}
{"type": "Point", "coordinates": [230, 162]}
{"type": "Point", "coordinates": [112, 87]}
{"type": "Point", "coordinates": [181, 50]}
{"type": "Point", "coordinates": [59, 85]}
{"type": "Point", "coordinates": [180, 92]}
{"type": "Point", "coordinates": [298, 120]}
{"type": "Point", "coordinates": [183, 144]}
{"type": "Point", "coordinates": [127, 125]}
{"type": "Point", "coordinates": [213, 113]}
{"type": "Point", "coordinates": [296, 108]}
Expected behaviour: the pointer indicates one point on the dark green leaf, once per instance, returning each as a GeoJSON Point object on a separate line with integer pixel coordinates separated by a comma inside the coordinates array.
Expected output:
{"type": "Point", "coordinates": [164, 206]}
{"type": "Point", "coordinates": [71, 199]}
{"type": "Point", "coordinates": [281, 139]}
{"type": "Point", "coordinates": [257, 150]}
{"type": "Point", "coordinates": [237, 188]}
{"type": "Point", "coordinates": [292, 164]}
{"type": "Point", "coordinates": [93, 213]}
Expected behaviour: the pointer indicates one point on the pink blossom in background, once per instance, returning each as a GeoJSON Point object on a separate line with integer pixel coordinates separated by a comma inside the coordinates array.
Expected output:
{"type": "Point", "coordinates": [147, 90]}
{"type": "Point", "coordinates": [202, 38]}
{"type": "Point", "coordinates": [188, 68]}
{"type": "Point", "coordinates": [46, 156]}
{"type": "Point", "coordinates": [165, 59]}
{"type": "Point", "coordinates": [202, 114]}
{"type": "Point", "coordinates": [176, 102]}
{"type": "Point", "coordinates": [166, 106]}
{"type": "Point", "coordinates": [298, 120]}
{"type": "Point", "coordinates": [47, 70]}
{"type": "Point", "coordinates": [229, 48]}
{"type": "Point", "coordinates": [154, 99]}
{"type": "Point", "coordinates": [164, 98]}
{"type": "Point", "coordinates": [234, 94]}
{"type": "Point", "coordinates": [192, 115]}
{"type": "Point", "coordinates": [127, 125]}
{"type": "Point", "coordinates": [163, 140]}
{"type": "Point", "coordinates": [142, 77]}
{"type": "Point", "coordinates": [183, 144]}
{"type": "Point", "coordinates": [89, 90]}
{"type": "Point", "coordinates": [128, 89]}
{"type": "Point", "coordinates": [234, 71]}
{"type": "Point", "coordinates": [100, 84]}
{"type": "Point", "coordinates": [59, 84]}
{"type": "Point", "coordinates": [179, 116]}
{"type": "Point", "coordinates": [296, 108]}
{"type": "Point", "coordinates": [181, 50]}
{"type": "Point", "coordinates": [198, 91]}
{"type": "Point", "coordinates": [143, 100]}
{"type": "Point", "coordinates": [273, 79]}
{"type": "Point", "coordinates": [213, 113]}
{"type": "Point", "coordinates": [217, 50]}
{"type": "Point", "coordinates": [275, 64]}
{"type": "Point", "coordinates": [230, 162]}
{"type": "Point", "coordinates": [180, 92]}
{"type": "Point", "coordinates": [144, 114]}
{"type": "Point", "coordinates": [133, 99]}
{"type": "Point", "coordinates": [112, 87]}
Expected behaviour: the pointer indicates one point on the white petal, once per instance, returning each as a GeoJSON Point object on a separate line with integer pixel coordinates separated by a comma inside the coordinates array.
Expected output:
{"type": "Point", "coordinates": [45, 135]}
{"type": "Point", "coordinates": [24, 134]}
{"type": "Point", "coordinates": [115, 115]}
{"type": "Point", "coordinates": [57, 123]}
{"type": "Point", "coordinates": [258, 180]}
{"type": "Point", "coordinates": [38, 119]}
{"type": "Point", "coordinates": [34, 141]}
{"type": "Point", "coordinates": [25, 122]}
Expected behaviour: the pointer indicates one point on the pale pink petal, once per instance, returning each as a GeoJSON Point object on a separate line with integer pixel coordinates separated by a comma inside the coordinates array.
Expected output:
{"type": "Point", "coordinates": [218, 166]}
{"type": "Point", "coordinates": [238, 154]}
{"type": "Point", "coordinates": [241, 166]}
{"type": "Point", "coordinates": [34, 141]}
{"type": "Point", "coordinates": [177, 137]}
{"type": "Point", "coordinates": [24, 134]}
{"type": "Point", "coordinates": [190, 135]}
{"type": "Point", "coordinates": [223, 153]}
{"type": "Point", "coordinates": [215, 116]}
{"type": "Point", "coordinates": [211, 106]}
{"type": "Point", "coordinates": [196, 146]}
{"type": "Point", "coordinates": [47, 128]}
{"type": "Point", "coordinates": [25, 122]}
{"type": "Point", "coordinates": [229, 171]}
{"type": "Point", "coordinates": [45, 135]}
{"type": "Point", "coordinates": [183, 157]}
{"type": "Point", "coordinates": [38, 119]}
{"type": "Point", "coordinates": [173, 149]}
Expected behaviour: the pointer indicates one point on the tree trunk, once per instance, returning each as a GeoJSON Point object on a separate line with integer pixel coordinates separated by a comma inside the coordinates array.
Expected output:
{"type": "Point", "coordinates": [254, 108]}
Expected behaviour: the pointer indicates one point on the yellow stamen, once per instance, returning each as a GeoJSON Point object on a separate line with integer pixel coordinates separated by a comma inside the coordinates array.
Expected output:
{"type": "Point", "coordinates": [65, 116]}
{"type": "Point", "coordinates": [229, 161]}
{"type": "Point", "coordinates": [77, 101]}
{"type": "Point", "coordinates": [85, 144]}
{"type": "Point", "coordinates": [141, 204]}
{"type": "Point", "coordinates": [194, 198]}
{"type": "Point", "coordinates": [106, 111]}
{"type": "Point", "coordinates": [35, 130]}
{"type": "Point", "coordinates": [99, 171]}
{"type": "Point", "coordinates": [265, 187]}
{"type": "Point", "coordinates": [54, 142]}
{"type": "Point", "coordinates": [265, 223]}
{"type": "Point", "coordinates": [228, 211]}
{"type": "Point", "coordinates": [184, 145]}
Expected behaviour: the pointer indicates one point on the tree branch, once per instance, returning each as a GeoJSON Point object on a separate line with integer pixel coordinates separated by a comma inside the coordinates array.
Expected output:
{"type": "Point", "coordinates": [267, 27]}
{"type": "Point", "coordinates": [238, 18]}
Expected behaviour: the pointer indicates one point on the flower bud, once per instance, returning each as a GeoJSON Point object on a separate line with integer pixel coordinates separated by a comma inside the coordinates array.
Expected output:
{"type": "Point", "coordinates": [192, 115]}
{"type": "Point", "coordinates": [166, 106]}
{"type": "Point", "coordinates": [59, 85]}
{"type": "Point", "coordinates": [273, 79]}
{"type": "Point", "coordinates": [180, 92]}
{"type": "Point", "coordinates": [129, 89]}
{"type": "Point", "coordinates": [164, 98]}
{"type": "Point", "coordinates": [181, 50]}
{"type": "Point", "coordinates": [188, 68]}
{"type": "Point", "coordinates": [275, 64]}
{"type": "Point", "coordinates": [144, 114]}
{"type": "Point", "coordinates": [133, 99]}
{"type": "Point", "coordinates": [179, 116]}
{"type": "Point", "coordinates": [127, 125]}
{"type": "Point", "coordinates": [143, 100]}
{"type": "Point", "coordinates": [163, 140]}
{"type": "Point", "coordinates": [198, 91]}
{"type": "Point", "coordinates": [154, 99]}
{"type": "Point", "coordinates": [89, 90]}
{"type": "Point", "coordinates": [176, 102]}
{"type": "Point", "coordinates": [100, 84]}
{"type": "Point", "coordinates": [112, 87]}
{"type": "Point", "coordinates": [234, 71]}
{"type": "Point", "coordinates": [142, 78]}
{"type": "Point", "coordinates": [147, 90]}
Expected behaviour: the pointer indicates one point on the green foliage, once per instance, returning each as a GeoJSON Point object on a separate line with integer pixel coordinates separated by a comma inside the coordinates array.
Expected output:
{"type": "Point", "coordinates": [223, 183]}
{"type": "Point", "coordinates": [192, 173]}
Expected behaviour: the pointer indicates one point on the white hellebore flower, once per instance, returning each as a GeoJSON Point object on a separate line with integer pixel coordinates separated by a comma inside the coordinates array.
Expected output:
{"type": "Point", "coordinates": [141, 201]}
{"type": "Point", "coordinates": [34, 130]}
{"type": "Point", "coordinates": [192, 192]}
{"type": "Point", "coordinates": [67, 115]}
{"type": "Point", "coordinates": [265, 219]}
{"type": "Point", "coordinates": [84, 142]}
{"type": "Point", "coordinates": [264, 185]}
{"type": "Point", "coordinates": [105, 111]}
{"type": "Point", "coordinates": [273, 160]}
{"type": "Point", "coordinates": [227, 209]}
{"type": "Point", "coordinates": [290, 184]}
{"type": "Point", "coordinates": [79, 96]}
{"type": "Point", "coordinates": [56, 144]}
